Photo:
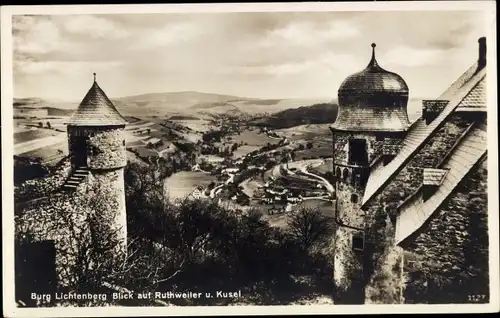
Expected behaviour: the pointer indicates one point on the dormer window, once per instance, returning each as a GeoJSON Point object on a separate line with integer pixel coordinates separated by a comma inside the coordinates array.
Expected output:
{"type": "Point", "coordinates": [432, 179]}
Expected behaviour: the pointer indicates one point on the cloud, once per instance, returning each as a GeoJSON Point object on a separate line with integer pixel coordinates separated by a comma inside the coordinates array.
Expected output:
{"type": "Point", "coordinates": [94, 27]}
{"type": "Point", "coordinates": [412, 57]}
{"type": "Point", "coordinates": [28, 67]}
{"type": "Point", "coordinates": [167, 35]}
{"type": "Point", "coordinates": [329, 62]}
{"type": "Point", "coordinates": [306, 33]}
{"type": "Point", "coordinates": [36, 36]}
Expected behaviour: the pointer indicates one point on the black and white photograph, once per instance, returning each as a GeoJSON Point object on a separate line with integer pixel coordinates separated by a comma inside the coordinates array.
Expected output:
{"type": "Point", "coordinates": [242, 157]}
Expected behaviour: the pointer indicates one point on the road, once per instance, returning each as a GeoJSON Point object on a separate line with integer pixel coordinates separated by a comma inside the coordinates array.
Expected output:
{"type": "Point", "coordinates": [215, 190]}
{"type": "Point", "coordinates": [302, 166]}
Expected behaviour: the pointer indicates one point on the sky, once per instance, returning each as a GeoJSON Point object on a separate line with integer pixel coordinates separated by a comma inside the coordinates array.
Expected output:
{"type": "Point", "coordinates": [264, 55]}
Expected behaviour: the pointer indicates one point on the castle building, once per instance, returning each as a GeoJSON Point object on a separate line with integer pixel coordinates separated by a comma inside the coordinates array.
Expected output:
{"type": "Point", "coordinates": [80, 209]}
{"type": "Point", "coordinates": [96, 144]}
{"type": "Point", "coordinates": [371, 122]}
{"type": "Point", "coordinates": [411, 218]}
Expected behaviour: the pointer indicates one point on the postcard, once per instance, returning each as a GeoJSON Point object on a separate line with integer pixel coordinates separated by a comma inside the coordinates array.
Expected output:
{"type": "Point", "coordinates": [216, 159]}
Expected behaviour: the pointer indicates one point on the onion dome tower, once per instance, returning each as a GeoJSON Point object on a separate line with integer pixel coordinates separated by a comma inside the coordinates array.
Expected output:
{"type": "Point", "coordinates": [371, 122]}
{"type": "Point", "coordinates": [373, 100]}
{"type": "Point", "coordinates": [97, 152]}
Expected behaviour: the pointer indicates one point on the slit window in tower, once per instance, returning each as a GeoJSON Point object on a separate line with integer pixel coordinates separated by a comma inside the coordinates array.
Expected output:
{"type": "Point", "coordinates": [358, 241]}
{"type": "Point", "coordinates": [358, 154]}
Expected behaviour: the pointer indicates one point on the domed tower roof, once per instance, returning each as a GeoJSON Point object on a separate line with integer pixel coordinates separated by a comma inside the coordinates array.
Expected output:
{"type": "Point", "coordinates": [96, 110]}
{"type": "Point", "coordinates": [373, 99]}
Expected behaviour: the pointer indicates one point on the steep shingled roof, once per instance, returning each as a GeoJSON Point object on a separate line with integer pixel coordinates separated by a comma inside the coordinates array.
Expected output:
{"type": "Point", "coordinates": [469, 152]}
{"type": "Point", "coordinates": [476, 99]}
{"type": "Point", "coordinates": [96, 110]}
{"type": "Point", "coordinates": [421, 132]}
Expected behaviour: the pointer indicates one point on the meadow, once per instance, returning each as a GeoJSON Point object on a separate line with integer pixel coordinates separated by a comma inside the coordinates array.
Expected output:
{"type": "Point", "coordinates": [249, 140]}
{"type": "Point", "coordinates": [181, 184]}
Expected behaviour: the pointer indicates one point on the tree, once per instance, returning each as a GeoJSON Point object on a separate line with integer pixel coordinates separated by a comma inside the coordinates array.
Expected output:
{"type": "Point", "coordinates": [40, 124]}
{"type": "Point", "coordinates": [309, 145]}
{"type": "Point", "coordinates": [48, 125]}
{"type": "Point", "coordinates": [309, 227]}
{"type": "Point", "coordinates": [301, 147]}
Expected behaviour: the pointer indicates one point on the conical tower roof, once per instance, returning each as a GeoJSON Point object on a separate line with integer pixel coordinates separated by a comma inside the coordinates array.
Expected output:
{"type": "Point", "coordinates": [96, 110]}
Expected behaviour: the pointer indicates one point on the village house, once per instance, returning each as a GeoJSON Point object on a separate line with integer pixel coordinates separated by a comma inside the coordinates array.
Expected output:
{"type": "Point", "coordinates": [411, 198]}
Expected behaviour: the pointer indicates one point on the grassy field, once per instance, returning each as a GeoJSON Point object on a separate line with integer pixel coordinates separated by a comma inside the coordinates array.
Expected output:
{"type": "Point", "coordinates": [327, 166]}
{"type": "Point", "coordinates": [306, 132]}
{"type": "Point", "coordinates": [251, 140]}
{"type": "Point", "coordinates": [50, 154]}
{"type": "Point", "coordinates": [181, 184]}
{"type": "Point", "coordinates": [319, 135]}
{"type": "Point", "coordinates": [28, 135]}
{"type": "Point", "coordinates": [321, 148]}
{"type": "Point", "coordinates": [197, 125]}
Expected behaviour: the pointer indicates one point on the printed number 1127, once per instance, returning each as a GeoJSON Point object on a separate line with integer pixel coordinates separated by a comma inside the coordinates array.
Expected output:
{"type": "Point", "coordinates": [476, 297]}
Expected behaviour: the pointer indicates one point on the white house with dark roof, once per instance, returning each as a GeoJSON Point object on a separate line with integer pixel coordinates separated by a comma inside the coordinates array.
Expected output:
{"type": "Point", "coordinates": [411, 195]}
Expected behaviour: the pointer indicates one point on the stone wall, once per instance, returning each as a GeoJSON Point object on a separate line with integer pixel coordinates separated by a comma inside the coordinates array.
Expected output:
{"type": "Point", "coordinates": [403, 185]}
{"type": "Point", "coordinates": [341, 145]}
{"type": "Point", "coordinates": [92, 217]}
{"type": "Point", "coordinates": [105, 146]}
{"type": "Point", "coordinates": [44, 186]}
{"type": "Point", "coordinates": [107, 149]}
{"type": "Point", "coordinates": [453, 247]}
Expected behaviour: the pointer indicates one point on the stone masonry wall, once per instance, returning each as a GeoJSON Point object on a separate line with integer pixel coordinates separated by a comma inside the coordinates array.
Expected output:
{"type": "Point", "coordinates": [107, 149]}
{"type": "Point", "coordinates": [351, 266]}
{"type": "Point", "coordinates": [453, 248]}
{"type": "Point", "coordinates": [341, 145]}
{"type": "Point", "coordinates": [404, 184]}
{"type": "Point", "coordinates": [95, 215]}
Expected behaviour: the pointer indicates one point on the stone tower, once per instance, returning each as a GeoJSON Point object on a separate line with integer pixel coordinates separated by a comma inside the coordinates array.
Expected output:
{"type": "Point", "coordinates": [371, 122]}
{"type": "Point", "coordinates": [97, 151]}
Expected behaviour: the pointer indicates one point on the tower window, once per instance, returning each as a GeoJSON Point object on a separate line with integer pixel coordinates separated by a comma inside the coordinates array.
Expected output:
{"type": "Point", "coordinates": [354, 198]}
{"type": "Point", "coordinates": [357, 152]}
{"type": "Point", "coordinates": [345, 174]}
{"type": "Point", "coordinates": [358, 241]}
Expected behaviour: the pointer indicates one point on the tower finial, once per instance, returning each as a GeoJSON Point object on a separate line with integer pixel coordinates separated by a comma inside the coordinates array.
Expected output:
{"type": "Point", "coordinates": [373, 61]}
{"type": "Point", "coordinates": [94, 77]}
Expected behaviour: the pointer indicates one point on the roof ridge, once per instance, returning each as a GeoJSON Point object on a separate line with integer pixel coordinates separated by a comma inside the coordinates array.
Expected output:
{"type": "Point", "coordinates": [430, 129]}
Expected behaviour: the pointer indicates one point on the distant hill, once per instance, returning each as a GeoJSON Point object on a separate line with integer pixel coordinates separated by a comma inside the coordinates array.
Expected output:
{"type": "Point", "coordinates": [316, 114]}
{"type": "Point", "coordinates": [53, 108]}
{"type": "Point", "coordinates": [191, 103]}
{"type": "Point", "coordinates": [188, 103]}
